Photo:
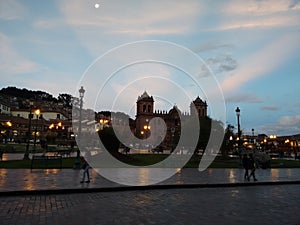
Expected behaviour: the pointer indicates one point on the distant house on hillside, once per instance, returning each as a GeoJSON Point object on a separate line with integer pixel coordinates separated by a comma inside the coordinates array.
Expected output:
{"type": "Point", "coordinates": [45, 114]}
{"type": "Point", "coordinates": [4, 105]}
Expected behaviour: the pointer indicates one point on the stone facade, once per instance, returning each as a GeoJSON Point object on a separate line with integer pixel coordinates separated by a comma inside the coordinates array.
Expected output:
{"type": "Point", "coordinates": [172, 118]}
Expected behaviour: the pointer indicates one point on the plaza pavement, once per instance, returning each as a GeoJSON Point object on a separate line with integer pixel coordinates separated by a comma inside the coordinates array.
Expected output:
{"type": "Point", "coordinates": [64, 180]}
{"type": "Point", "coordinates": [213, 196]}
{"type": "Point", "coordinates": [274, 199]}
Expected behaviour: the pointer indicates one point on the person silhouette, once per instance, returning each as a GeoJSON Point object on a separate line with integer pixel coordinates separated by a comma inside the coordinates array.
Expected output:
{"type": "Point", "coordinates": [86, 167]}
{"type": "Point", "coordinates": [246, 163]}
{"type": "Point", "coordinates": [252, 167]}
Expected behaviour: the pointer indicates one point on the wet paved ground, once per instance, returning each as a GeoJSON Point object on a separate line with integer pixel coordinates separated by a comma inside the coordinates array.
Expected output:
{"type": "Point", "coordinates": [276, 205]}
{"type": "Point", "coordinates": [38, 179]}
{"type": "Point", "coordinates": [259, 204]}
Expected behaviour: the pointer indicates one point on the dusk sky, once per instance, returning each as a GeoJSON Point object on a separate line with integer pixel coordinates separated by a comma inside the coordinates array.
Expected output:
{"type": "Point", "coordinates": [252, 48]}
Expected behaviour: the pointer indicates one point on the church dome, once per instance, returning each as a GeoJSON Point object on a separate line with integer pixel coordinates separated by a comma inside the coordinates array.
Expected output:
{"type": "Point", "coordinates": [174, 110]}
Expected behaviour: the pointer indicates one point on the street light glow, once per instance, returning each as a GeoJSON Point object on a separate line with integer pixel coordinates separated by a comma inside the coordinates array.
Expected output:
{"type": "Point", "coordinates": [37, 112]}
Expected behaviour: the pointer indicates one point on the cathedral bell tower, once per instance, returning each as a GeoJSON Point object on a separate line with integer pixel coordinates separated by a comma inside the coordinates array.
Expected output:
{"type": "Point", "coordinates": [200, 107]}
{"type": "Point", "coordinates": [144, 113]}
{"type": "Point", "coordinates": [144, 105]}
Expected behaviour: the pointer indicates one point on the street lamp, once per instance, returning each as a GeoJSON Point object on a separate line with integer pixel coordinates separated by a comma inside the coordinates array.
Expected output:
{"type": "Point", "coordinates": [253, 138]}
{"type": "Point", "coordinates": [81, 94]}
{"type": "Point", "coordinates": [37, 113]}
{"type": "Point", "coordinates": [147, 129]}
{"type": "Point", "coordinates": [146, 132]}
{"type": "Point", "coordinates": [8, 124]}
{"type": "Point", "coordinates": [172, 138]}
{"type": "Point", "coordinates": [26, 154]}
{"type": "Point", "coordinates": [238, 112]}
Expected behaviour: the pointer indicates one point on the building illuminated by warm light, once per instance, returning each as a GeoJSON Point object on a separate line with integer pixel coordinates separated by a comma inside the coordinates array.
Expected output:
{"type": "Point", "coordinates": [145, 112]}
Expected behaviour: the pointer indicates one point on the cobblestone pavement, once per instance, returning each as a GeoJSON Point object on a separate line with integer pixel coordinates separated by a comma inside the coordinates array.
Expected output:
{"type": "Point", "coordinates": [53, 179]}
{"type": "Point", "coordinates": [259, 205]}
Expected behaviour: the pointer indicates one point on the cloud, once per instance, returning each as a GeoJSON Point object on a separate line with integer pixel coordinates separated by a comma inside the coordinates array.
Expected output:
{"type": "Point", "coordinates": [122, 89]}
{"type": "Point", "coordinates": [264, 14]}
{"type": "Point", "coordinates": [286, 125]}
{"type": "Point", "coordinates": [279, 21]}
{"type": "Point", "coordinates": [243, 97]}
{"type": "Point", "coordinates": [265, 7]}
{"type": "Point", "coordinates": [11, 62]}
{"type": "Point", "coordinates": [261, 62]}
{"type": "Point", "coordinates": [135, 18]}
{"type": "Point", "coordinates": [270, 108]}
{"type": "Point", "coordinates": [49, 23]}
{"type": "Point", "coordinates": [294, 4]}
{"type": "Point", "coordinates": [222, 63]}
{"type": "Point", "coordinates": [278, 129]}
{"type": "Point", "coordinates": [290, 121]}
{"type": "Point", "coordinates": [211, 46]}
{"type": "Point", "coordinates": [12, 10]}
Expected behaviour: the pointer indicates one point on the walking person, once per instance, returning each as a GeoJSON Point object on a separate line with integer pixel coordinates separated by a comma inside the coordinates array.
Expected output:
{"type": "Point", "coordinates": [252, 167]}
{"type": "Point", "coordinates": [1, 154]}
{"type": "Point", "coordinates": [246, 163]}
{"type": "Point", "coordinates": [86, 167]}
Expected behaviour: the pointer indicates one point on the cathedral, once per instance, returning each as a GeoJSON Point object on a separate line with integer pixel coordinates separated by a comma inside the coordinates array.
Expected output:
{"type": "Point", "coordinates": [145, 112]}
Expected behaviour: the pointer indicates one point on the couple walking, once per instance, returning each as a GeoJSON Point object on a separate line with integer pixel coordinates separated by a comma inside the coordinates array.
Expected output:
{"type": "Point", "coordinates": [249, 164]}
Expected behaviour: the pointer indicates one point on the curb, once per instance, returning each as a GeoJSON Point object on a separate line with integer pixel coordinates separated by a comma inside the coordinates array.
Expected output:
{"type": "Point", "coordinates": [141, 188]}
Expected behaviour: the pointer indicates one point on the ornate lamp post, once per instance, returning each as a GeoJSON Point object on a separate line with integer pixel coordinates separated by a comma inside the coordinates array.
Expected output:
{"type": "Point", "coordinates": [8, 131]}
{"type": "Point", "coordinates": [172, 138]}
{"type": "Point", "coordinates": [37, 113]}
{"type": "Point", "coordinates": [147, 129]}
{"type": "Point", "coordinates": [238, 112]}
{"type": "Point", "coordinates": [253, 137]}
{"type": "Point", "coordinates": [147, 134]}
{"type": "Point", "coordinates": [26, 155]}
{"type": "Point", "coordinates": [81, 94]}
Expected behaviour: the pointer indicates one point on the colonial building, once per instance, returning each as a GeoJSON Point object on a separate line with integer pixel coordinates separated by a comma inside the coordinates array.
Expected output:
{"type": "Point", "coordinates": [4, 105]}
{"type": "Point", "coordinates": [45, 114]}
{"type": "Point", "coordinates": [45, 122]}
{"type": "Point", "coordinates": [145, 112]}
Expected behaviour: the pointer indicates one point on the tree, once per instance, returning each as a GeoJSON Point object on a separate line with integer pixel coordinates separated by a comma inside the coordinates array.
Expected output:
{"type": "Point", "coordinates": [205, 130]}
{"type": "Point", "coordinates": [109, 140]}
{"type": "Point", "coordinates": [27, 94]}
{"type": "Point", "coordinates": [66, 100]}
{"type": "Point", "coordinates": [227, 144]}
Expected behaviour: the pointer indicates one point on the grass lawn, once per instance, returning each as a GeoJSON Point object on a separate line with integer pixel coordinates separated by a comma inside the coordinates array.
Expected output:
{"type": "Point", "coordinates": [149, 159]}
{"type": "Point", "coordinates": [282, 163]}
{"type": "Point", "coordinates": [20, 148]}
{"type": "Point", "coordinates": [26, 164]}
{"type": "Point", "coordinates": [13, 148]}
